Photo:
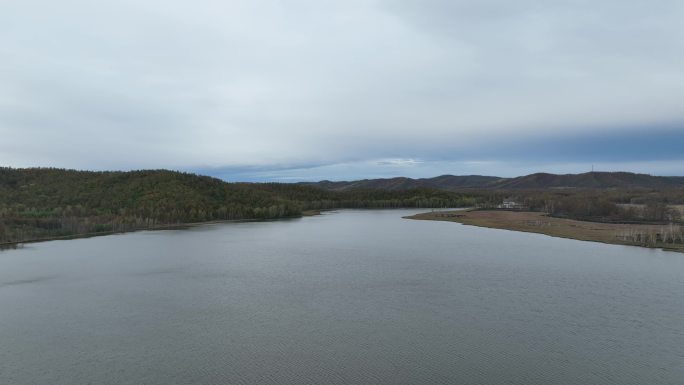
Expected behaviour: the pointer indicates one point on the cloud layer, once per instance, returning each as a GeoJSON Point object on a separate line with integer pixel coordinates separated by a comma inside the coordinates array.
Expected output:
{"type": "Point", "coordinates": [268, 89]}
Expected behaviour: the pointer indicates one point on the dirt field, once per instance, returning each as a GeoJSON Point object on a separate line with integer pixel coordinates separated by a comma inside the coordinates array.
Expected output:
{"type": "Point", "coordinates": [535, 222]}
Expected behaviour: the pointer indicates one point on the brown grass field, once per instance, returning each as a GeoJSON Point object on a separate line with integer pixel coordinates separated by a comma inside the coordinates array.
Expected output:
{"type": "Point", "coordinates": [535, 222]}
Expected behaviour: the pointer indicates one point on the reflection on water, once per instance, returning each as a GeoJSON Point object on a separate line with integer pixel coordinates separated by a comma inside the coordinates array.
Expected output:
{"type": "Point", "coordinates": [10, 246]}
{"type": "Point", "coordinates": [352, 297]}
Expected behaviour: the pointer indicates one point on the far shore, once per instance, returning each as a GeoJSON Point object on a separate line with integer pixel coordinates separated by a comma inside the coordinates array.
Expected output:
{"type": "Point", "coordinates": [536, 222]}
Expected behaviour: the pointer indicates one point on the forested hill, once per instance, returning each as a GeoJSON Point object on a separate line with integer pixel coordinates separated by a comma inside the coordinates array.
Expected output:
{"type": "Point", "coordinates": [42, 202]}
{"type": "Point", "coordinates": [594, 180]}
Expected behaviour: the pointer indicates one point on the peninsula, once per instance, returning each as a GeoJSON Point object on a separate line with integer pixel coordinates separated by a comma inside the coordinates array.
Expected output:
{"type": "Point", "coordinates": [665, 236]}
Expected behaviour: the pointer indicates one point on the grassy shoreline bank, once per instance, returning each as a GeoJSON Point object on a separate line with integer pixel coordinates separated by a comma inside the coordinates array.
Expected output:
{"type": "Point", "coordinates": [540, 223]}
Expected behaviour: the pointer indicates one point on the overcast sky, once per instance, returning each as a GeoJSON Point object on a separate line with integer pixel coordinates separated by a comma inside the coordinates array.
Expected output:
{"type": "Point", "coordinates": [306, 90]}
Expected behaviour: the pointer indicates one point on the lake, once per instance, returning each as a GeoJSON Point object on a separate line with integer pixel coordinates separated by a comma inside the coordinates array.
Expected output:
{"type": "Point", "coordinates": [348, 297]}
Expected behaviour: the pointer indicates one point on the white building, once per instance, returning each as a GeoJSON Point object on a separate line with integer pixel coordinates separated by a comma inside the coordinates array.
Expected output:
{"type": "Point", "coordinates": [511, 204]}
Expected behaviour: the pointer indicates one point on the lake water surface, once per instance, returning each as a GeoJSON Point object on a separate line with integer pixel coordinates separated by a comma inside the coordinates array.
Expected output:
{"type": "Point", "coordinates": [348, 297]}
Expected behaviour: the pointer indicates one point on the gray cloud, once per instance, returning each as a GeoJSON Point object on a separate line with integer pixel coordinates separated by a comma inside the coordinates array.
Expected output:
{"type": "Point", "coordinates": [247, 85]}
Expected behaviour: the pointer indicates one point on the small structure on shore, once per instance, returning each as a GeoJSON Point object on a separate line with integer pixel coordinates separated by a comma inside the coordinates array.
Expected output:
{"type": "Point", "coordinates": [510, 204]}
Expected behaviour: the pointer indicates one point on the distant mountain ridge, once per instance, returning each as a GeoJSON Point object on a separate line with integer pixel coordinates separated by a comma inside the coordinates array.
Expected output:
{"type": "Point", "coordinates": [597, 180]}
{"type": "Point", "coordinates": [443, 182]}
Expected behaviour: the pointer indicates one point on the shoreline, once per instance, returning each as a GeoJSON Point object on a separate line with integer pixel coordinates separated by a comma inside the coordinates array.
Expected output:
{"type": "Point", "coordinates": [172, 226]}
{"type": "Point", "coordinates": [540, 223]}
